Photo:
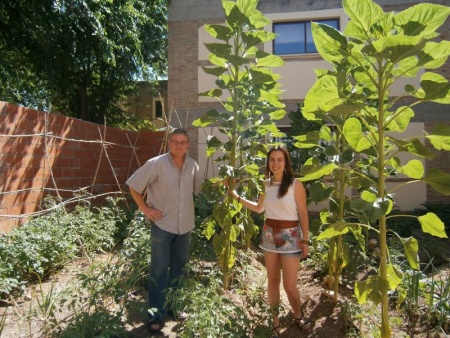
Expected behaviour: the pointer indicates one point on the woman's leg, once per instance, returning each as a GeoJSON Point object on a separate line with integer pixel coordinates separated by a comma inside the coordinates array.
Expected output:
{"type": "Point", "coordinates": [290, 266]}
{"type": "Point", "coordinates": [273, 267]}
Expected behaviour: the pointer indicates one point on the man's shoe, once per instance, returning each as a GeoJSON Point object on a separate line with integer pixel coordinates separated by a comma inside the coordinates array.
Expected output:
{"type": "Point", "coordinates": [155, 325]}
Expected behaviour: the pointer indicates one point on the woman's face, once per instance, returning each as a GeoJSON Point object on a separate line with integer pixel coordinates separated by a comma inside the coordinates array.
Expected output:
{"type": "Point", "coordinates": [277, 163]}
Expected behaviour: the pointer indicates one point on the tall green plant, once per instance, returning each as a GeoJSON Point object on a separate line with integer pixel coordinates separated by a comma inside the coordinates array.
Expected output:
{"type": "Point", "coordinates": [248, 93]}
{"type": "Point", "coordinates": [375, 50]}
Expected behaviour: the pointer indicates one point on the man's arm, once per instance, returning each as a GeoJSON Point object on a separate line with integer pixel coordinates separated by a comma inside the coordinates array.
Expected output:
{"type": "Point", "coordinates": [152, 213]}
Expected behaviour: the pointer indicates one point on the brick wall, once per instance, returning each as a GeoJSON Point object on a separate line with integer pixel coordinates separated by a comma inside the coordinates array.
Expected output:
{"type": "Point", "coordinates": [41, 152]}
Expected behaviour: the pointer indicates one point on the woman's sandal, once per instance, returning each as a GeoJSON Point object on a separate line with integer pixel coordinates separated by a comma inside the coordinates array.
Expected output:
{"type": "Point", "coordinates": [303, 323]}
{"type": "Point", "coordinates": [155, 325]}
{"type": "Point", "coordinates": [274, 333]}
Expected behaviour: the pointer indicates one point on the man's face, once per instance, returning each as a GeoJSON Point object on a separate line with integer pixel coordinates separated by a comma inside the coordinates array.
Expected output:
{"type": "Point", "coordinates": [178, 144]}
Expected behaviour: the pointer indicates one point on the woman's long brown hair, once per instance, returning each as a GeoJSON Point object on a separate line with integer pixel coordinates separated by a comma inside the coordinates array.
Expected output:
{"type": "Point", "coordinates": [288, 174]}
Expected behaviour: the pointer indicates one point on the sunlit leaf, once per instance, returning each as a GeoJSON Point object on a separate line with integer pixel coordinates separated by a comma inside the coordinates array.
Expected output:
{"type": "Point", "coordinates": [413, 169]}
{"type": "Point", "coordinates": [220, 32]}
{"type": "Point", "coordinates": [330, 43]}
{"type": "Point", "coordinates": [312, 172]}
{"type": "Point", "coordinates": [268, 60]}
{"type": "Point", "coordinates": [394, 276]}
{"type": "Point", "coordinates": [400, 119]}
{"type": "Point", "coordinates": [434, 88]}
{"type": "Point", "coordinates": [335, 229]}
{"type": "Point", "coordinates": [422, 19]}
{"type": "Point", "coordinates": [355, 136]}
{"type": "Point", "coordinates": [440, 137]}
{"type": "Point", "coordinates": [209, 228]}
{"type": "Point", "coordinates": [411, 247]}
{"type": "Point", "coordinates": [432, 225]}
{"type": "Point", "coordinates": [363, 15]}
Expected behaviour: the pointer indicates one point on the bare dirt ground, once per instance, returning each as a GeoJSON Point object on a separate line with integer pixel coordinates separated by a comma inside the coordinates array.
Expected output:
{"type": "Point", "coordinates": [329, 319]}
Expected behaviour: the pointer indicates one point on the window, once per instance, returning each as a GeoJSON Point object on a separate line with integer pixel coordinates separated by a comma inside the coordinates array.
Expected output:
{"type": "Point", "coordinates": [295, 37]}
{"type": "Point", "coordinates": [157, 108]}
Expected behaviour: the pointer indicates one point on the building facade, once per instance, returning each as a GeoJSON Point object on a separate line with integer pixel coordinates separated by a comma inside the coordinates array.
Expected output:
{"type": "Point", "coordinates": [187, 54]}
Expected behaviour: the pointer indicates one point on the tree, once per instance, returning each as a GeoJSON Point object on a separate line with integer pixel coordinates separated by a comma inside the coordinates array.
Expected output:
{"type": "Point", "coordinates": [249, 109]}
{"type": "Point", "coordinates": [80, 57]}
{"type": "Point", "coordinates": [375, 50]}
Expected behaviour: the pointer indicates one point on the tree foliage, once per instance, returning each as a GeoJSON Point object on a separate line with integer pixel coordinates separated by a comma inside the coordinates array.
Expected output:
{"type": "Point", "coordinates": [249, 94]}
{"type": "Point", "coordinates": [375, 50]}
{"type": "Point", "coordinates": [80, 57]}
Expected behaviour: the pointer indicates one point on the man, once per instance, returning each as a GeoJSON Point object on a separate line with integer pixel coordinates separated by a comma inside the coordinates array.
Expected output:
{"type": "Point", "coordinates": [170, 180]}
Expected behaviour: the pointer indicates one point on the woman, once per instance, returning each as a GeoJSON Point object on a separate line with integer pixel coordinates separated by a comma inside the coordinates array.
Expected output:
{"type": "Point", "coordinates": [283, 240]}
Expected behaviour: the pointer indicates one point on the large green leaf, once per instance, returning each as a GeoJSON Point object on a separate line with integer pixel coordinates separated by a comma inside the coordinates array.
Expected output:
{"type": "Point", "coordinates": [252, 169]}
{"type": "Point", "coordinates": [399, 121]}
{"type": "Point", "coordinates": [422, 19]}
{"type": "Point", "coordinates": [435, 88]}
{"type": "Point", "coordinates": [432, 225]}
{"type": "Point", "coordinates": [236, 18]}
{"type": "Point", "coordinates": [371, 289]}
{"type": "Point", "coordinates": [308, 140]}
{"type": "Point", "coordinates": [394, 276]}
{"type": "Point", "coordinates": [354, 135]}
{"type": "Point", "coordinates": [371, 210]}
{"type": "Point", "coordinates": [219, 32]}
{"type": "Point", "coordinates": [312, 170]}
{"type": "Point", "coordinates": [433, 55]}
{"type": "Point", "coordinates": [216, 60]}
{"type": "Point", "coordinates": [238, 60]}
{"type": "Point", "coordinates": [330, 43]}
{"type": "Point", "coordinates": [213, 144]}
{"type": "Point", "coordinates": [254, 38]}
{"type": "Point", "coordinates": [264, 59]}
{"type": "Point", "coordinates": [411, 246]}
{"type": "Point", "coordinates": [440, 137]}
{"type": "Point", "coordinates": [363, 15]}
{"type": "Point", "coordinates": [318, 192]}
{"type": "Point", "coordinates": [247, 7]}
{"type": "Point", "coordinates": [277, 114]}
{"type": "Point", "coordinates": [209, 228]}
{"type": "Point", "coordinates": [395, 48]}
{"type": "Point", "coordinates": [323, 90]}
{"type": "Point", "coordinates": [216, 71]}
{"type": "Point", "coordinates": [220, 49]}
{"type": "Point", "coordinates": [439, 180]}
{"type": "Point", "coordinates": [413, 146]}
{"type": "Point", "coordinates": [271, 98]}
{"type": "Point", "coordinates": [335, 229]}
{"type": "Point", "coordinates": [413, 169]}
{"type": "Point", "coordinates": [259, 21]}
{"type": "Point", "coordinates": [210, 117]}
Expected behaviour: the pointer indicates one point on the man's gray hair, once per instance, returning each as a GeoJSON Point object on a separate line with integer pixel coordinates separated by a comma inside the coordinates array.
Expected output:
{"type": "Point", "coordinates": [179, 131]}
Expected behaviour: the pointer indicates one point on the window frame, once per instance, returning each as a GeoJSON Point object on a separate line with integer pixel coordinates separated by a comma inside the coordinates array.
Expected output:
{"type": "Point", "coordinates": [307, 26]}
{"type": "Point", "coordinates": [155, 102]}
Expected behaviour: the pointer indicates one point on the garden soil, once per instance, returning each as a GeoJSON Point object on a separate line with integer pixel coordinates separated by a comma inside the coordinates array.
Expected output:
{"type": "Point", "coordinates": [329, 319]}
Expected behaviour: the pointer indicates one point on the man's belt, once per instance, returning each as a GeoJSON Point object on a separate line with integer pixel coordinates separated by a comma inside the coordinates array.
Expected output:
{"type": "Point", "coordinates": [279, 224]}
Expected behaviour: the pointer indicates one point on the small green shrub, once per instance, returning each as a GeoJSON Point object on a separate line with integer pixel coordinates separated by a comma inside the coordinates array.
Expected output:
{"type": "Point", "coordinates": [46, 243]}
{"type": "Point", "coordinates": [136, 248]}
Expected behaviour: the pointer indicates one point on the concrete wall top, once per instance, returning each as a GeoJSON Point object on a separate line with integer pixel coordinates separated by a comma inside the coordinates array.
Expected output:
{"type": "Point", "coordinates": [190, 10]}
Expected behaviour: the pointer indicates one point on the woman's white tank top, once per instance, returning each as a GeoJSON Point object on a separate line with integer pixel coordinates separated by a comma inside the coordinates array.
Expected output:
{"type": "Point", "coordinates": [283, 208]}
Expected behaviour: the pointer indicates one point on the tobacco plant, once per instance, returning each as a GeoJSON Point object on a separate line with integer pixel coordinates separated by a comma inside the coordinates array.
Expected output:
{"type": "Point", "coordinates": [376, 50]}
{"type": "Point", "coordinates": [248, 93]}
